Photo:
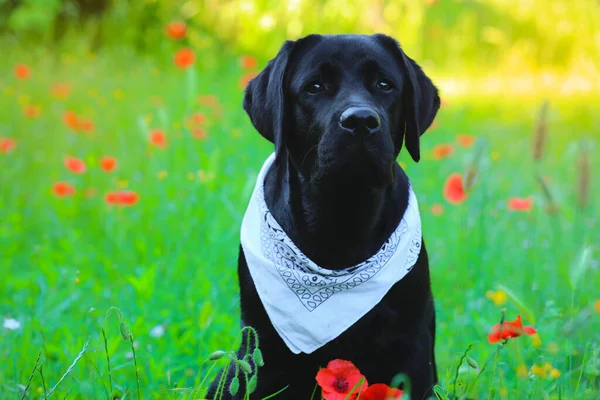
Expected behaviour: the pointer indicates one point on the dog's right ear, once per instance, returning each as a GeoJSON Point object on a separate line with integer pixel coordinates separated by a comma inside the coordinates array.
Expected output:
{"type": "Point", "coordinates": [265, 98]}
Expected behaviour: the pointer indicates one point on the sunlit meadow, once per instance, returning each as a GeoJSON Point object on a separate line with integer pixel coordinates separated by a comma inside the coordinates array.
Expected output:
{"type": "Point", "coordinates": [125, 170]}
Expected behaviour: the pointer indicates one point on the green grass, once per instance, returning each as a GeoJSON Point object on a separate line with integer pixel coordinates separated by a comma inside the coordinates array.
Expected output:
{"type": "Point", "coordinates": [171, 259]}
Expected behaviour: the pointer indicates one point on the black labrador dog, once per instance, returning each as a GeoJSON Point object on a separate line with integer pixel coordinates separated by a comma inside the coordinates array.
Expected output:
{"type": "Point", "coordinates": [338, 109]}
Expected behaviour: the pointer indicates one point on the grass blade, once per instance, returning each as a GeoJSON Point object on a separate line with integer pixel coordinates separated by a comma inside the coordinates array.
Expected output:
{"type": "Point", "coordinates": [275, 394]}
{"type": "Point", "coordinates": [31, 376]}
{"type": "Point", "coordinates": [107, 362]}
{"type": "Point", "coordinates": [73, 364]}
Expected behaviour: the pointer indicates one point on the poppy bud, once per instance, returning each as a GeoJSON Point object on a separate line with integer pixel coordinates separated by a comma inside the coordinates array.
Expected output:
{"type": "Point", "coordinates": [245, 366]}
{"type": "Point", "coordinates": [234, 386]}
{"type": "Point", "coordinates": [258, 357]}
{"type": "Point", "coordinates": [472, 363]}
{"type": "Point", "coordinates": [216, 355]}
{"type": "Point", "coordinates": [252, 384]}
{"type": "Point", "coordinates": [125, 332]}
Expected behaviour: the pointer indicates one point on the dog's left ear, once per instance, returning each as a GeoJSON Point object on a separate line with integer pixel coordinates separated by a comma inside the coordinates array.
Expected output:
{"type": "Point", "coordinates": [264, 100]}
{"type": "Point", "coordinates": [421, 100]}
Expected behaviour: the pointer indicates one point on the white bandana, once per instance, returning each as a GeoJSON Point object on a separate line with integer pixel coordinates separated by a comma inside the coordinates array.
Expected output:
{"type": "Point", "coordinates": [309, 305]}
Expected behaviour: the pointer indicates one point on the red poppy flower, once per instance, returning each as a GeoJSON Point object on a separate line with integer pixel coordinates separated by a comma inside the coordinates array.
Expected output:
{"type": "Point", "coordinates": [198, 118]}
{"type": "Point", "coordinates": [108, 163]}
{"type": "Point", "coordinates": [520, 204]}
{"type": "Point", "coordinates": [208, 100]}
{"type": "Point", "coordinates": [128, 198]}
{"type": "Point", "coordinates": [465, 140]}
{"type": "Point", "coordinates": [248, 62]}
{"type": "Point", "coordinates": [454, 190]}
{"type": "Point", "coordinates": [158, 138]}
{"type": "Point", "coordinates": [185, 58]}
{"type": "Point", "coordinates": [510, 329]}
{"type": "Point", "coordinates": [60, 91]}
{"type": "Point", "coordinates": [437, 209]}
{"type": "Point", "coordinates": [71, 120]}
{"type": "Point", "coordinates": [22, 71]}
{"type": "Point", "coordinates": [176, 30]}
{"type": "Point", "coordinates": [63, 189]}
{"type": "Point", "coordinates": [442, 150]}
{"type": "Point", "coordinates": [380, 391]}
{"type": "Point", "coordinates": [199, 134]}
{"type": "Point", "coordinates": [339, 379]}
{"type": "Point", "coordinates": [121, 198]}
{"type": "Point", "coordinates": [246, 78]}
{"type": "Point", "coordinates": [75, 165]}
{"type": "Point", "coordinates": [112, 198]}
{"type": "Point", "coordinates": [85, 125]}
{"type": "Point", "coordinates": [31, 111]}
{"type": "Point", "coordinates": [7, 145]}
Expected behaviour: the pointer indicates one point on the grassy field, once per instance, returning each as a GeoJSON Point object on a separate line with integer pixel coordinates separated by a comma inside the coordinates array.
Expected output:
{"type": "Point", "coordinates": [168, 262]}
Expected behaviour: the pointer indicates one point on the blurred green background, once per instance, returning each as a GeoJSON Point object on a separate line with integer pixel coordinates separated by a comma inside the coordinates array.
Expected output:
{"type": "Point", "coordinates": [449, 36]}
{"type": "Point", "coordinates": [91, 79]}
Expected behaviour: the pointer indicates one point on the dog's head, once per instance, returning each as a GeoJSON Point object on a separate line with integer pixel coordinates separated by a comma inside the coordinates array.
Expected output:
{"type": "Point", "coordinates": [341, 106]}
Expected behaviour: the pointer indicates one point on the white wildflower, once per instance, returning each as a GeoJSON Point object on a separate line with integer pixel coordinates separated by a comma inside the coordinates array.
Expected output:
{"type": "Point", "coordinates": [11, 324]}
{"type": "Point", "coordinates": [158, 331]}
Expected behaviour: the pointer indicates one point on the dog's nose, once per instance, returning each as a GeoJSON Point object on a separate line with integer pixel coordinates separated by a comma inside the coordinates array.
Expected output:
{"type": "Point", "coordinates": [360, 120]}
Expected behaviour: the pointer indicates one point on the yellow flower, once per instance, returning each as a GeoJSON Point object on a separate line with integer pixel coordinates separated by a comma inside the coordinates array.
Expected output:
{"type": "Point", "coordinates": [597, 305]}
{"type": "Point", "coordinates": [554, 373]}
{"type": "Point", "coordinates": [202, 176]}
{"type": "Point", "coordinates": [553, 348]}
{"type": "Point", "coordinates": [547, 366]}
{"type": "Point", "coordinates": [206, 176]}
{"type": "Point", "coordinates": [162, 174]}
{"type": "Point", "coordinates": [23, 100]}
{"type": "Point", "coordinates": [537, 341]}
{"type": "Point", "coordinates": [118, 94]}
{"type": "Point", "coordinates": [497, 296]}
{"type": "Point", "coordinates": [538, 371]}
{"type": "Point", "coordinates": [522, 371]}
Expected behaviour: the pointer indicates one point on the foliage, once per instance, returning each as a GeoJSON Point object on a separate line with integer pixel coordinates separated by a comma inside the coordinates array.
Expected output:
{"type": "Point", "coordinates": [466, 35]}
{"type": "Point", "coordinates": [167, 258]}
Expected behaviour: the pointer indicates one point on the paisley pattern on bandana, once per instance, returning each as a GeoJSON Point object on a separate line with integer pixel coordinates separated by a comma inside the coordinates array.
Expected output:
{"type": "Point", "coordinates": [312, 284]}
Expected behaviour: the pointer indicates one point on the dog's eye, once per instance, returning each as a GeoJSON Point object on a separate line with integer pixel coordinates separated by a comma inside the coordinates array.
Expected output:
{"type": "Point", "coordinates": [384, 85]}
{"type": "Point", "coordinates": [314, 87]}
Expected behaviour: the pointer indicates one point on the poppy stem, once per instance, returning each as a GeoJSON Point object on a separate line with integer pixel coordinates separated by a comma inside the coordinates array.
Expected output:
{"type": "Point", "coordinates": [458, 367]}
{"type": "Point", "coordinates": [222, 379]}
{"type": "Point", "coordinates": [498, 347]}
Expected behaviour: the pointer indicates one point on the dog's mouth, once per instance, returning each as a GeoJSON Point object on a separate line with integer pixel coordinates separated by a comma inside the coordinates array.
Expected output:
{"type": "Point", "coordinates": [360, 163]}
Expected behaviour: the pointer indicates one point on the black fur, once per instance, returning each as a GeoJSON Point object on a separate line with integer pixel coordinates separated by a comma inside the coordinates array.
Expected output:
{"type": "Point", "coordinates": [339, 195]}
